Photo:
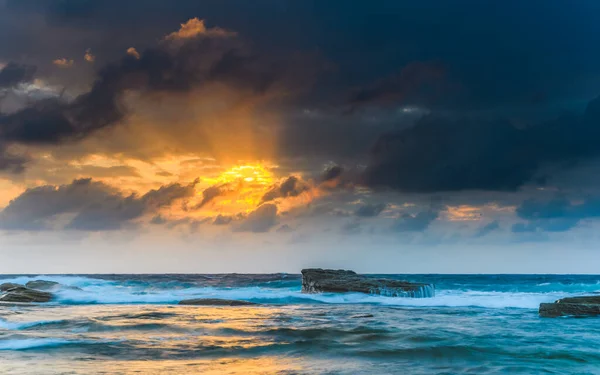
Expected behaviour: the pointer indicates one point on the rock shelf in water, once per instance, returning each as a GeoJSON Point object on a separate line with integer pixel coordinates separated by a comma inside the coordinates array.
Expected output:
{"type": "Point", "coordinates": [317, 280]}
{"type": "Point", "coordinates": [23, 294]}
{"type": "Point", "coordinates": [572, 306]}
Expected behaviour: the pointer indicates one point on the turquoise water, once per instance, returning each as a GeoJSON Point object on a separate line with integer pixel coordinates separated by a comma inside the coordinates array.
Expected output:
{"type": "Point", "coordinates": [129, 324]}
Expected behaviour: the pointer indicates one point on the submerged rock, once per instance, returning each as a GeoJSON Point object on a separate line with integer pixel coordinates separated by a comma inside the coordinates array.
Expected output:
{"type": "Point", "coordinates": [317, 280]}
{"type": "Point", "coordinates": [42, 284]}
{"type": "Point", "coordinates": [7, 286]}
{"type": "Point", "coordinates": [215, 302]}
{"type": "Point", "coordinates": [23, 294]}
{"type": "Point", "coordinates": [571, 306]}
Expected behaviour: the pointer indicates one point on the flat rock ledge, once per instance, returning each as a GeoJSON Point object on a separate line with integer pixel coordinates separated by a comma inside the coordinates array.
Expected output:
{"type": "Point", "coordinates": [317, 280]}
{"type": "Point", "coordinates": [572, 306]}
{"type": "Point", "coordinates": [215, 302]}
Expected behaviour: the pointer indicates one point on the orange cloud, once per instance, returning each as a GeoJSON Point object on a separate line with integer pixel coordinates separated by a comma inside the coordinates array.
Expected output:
{"type": "Point", "coordinates": [133, 52]}
{"type": "Point", "coordinates": [63, 63]}
{"type": "Point", "coordinates": [475, 213]}
{"type": "Point", "coordinates": [89, 57]}
{"type": "Point", "coordinates": [196, 27]}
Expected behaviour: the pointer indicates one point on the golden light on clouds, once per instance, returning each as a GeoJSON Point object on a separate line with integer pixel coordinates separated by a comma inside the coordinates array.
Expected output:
{"type": "Point", "coordinates": [241, 189]}
{"type": "Point", "coordinates": [474, 213]}
{"type": "Point", "coordinates": [63, 62]}
{"type": "Point", "coordinates": [195, 27]}
{"type": "Point", "coordinates": [133, 52]}
{"type": "Point", "coordinates": [256, 174]}
{"type": "Point", "coordinates": [464, 213]}
{"type": "Point", "coordinates": [89, 57]}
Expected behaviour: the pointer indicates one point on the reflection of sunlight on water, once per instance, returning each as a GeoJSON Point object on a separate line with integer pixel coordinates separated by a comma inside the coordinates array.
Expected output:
{"type": "Point", "coordinates": [146, 340]}
{"type": "Point", "coordinates": [229, 366]}
{"type": "Point", "coordinates": [285, 340]}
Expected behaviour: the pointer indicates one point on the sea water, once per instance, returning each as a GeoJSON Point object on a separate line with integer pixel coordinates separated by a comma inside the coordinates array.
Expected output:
{"type": "Point", "coordinates": [131, 324]}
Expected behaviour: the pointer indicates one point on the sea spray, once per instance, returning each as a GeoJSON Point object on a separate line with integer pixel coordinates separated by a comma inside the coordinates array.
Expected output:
{"type": "Point", "coordinates": [495, 291]}
{"type": "Point", "coordinates": [425, 291]}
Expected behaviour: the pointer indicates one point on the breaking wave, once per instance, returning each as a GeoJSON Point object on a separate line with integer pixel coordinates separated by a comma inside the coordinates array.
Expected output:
{"type": "Point", "coordinates": [451, 291]}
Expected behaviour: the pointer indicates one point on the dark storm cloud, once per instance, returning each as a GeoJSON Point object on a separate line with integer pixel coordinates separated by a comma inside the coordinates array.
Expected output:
{"type": "Point", "coordinates": [443, 154]}
{"type": "Point", "coordinates": [290, 187]}
{"type": "Point", "coordinates": [176, 65]}
{"type": "Point", "coordinates": [468, 56]}
{"type": "Point", "coordinates": [13, 74]}
{"type": "Point", "coordinates": [418, 83]}
{"type": "Point", "coordinates": [557, 215]}
{"type": "Point", "coordinates": [85, 205]}
{"type": "Point", "coordinates": [332, 173]}
{"type": "Point", "coordinates": [367, 41]}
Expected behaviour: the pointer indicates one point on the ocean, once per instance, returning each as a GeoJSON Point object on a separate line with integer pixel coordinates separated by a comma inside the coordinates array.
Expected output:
{"type": "Point", "coordinates": [131, 324]}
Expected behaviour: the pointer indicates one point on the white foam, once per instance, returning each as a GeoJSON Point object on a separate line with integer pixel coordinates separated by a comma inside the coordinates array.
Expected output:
{"type": "Point", "coordinates": [449, 298]}
{"type": "Point", "coordinates": [99, 291]}
{"type": "Point", "coordinates": [75, 281]}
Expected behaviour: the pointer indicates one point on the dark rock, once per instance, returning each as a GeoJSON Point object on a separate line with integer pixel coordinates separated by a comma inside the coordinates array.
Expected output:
{"type": "Point", "coordinates": [571, 306]}
{"type": "Point", "coordinates": [7, 286]}
{"type": "Point", "coordinates": [22, 294]}
{"type": "Point", "coordinates": [215, 302]}
{"type": "Point", "coordinates": [317, 280]}
{"type": "Point", "coordinates": [42, 284]}
{"type": "Point", "coordinates": [590, 300]}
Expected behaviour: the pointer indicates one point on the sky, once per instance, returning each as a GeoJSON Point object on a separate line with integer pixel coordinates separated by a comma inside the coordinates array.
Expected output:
{"type": "Point", "coordinates": [149, 136]}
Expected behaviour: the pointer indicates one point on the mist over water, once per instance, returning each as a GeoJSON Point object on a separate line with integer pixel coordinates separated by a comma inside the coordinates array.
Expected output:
{"type": "Point", "coordinates": [125, 324]}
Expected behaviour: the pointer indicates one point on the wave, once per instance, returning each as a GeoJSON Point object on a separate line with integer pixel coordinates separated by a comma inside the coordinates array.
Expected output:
{"type": "Point", "coordinates": [444, 298]}
{"type": "Point", "coordinates": [27, 325]}
{"type": "Point", "coordinates": [286, 289]}
{"type": "Point", "coordinates": [24, 344]}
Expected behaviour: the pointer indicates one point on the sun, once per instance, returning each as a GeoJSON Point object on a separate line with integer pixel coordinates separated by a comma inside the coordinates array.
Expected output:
{"type": "Point", "coordinates": [252, 173]}
{"type": "Point", "coordinates": [241, 189]}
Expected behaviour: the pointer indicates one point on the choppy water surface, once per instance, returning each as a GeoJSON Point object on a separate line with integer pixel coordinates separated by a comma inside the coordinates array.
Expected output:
{"type": "Point", "coordinates": [129, 324]}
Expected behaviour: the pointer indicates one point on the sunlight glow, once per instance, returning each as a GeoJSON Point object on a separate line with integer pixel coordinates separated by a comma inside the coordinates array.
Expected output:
{"type": "Point", "coordinates": [241, 188]}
